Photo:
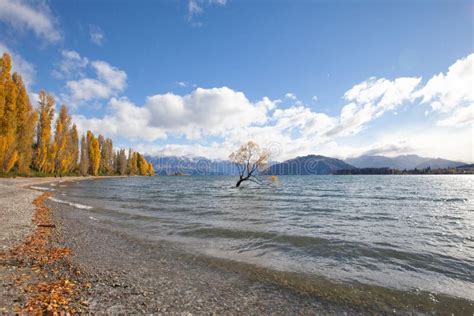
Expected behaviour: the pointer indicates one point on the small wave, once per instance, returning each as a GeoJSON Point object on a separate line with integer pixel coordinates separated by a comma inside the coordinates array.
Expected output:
{"type": "Point", "coordinates": [456, 200]}
{"type": "Point", "coordinates": [40, 188]}
{"type": "Point", "coordinates": [76, 205]}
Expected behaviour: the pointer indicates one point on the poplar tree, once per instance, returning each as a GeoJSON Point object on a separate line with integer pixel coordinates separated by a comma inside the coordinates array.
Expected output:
{"type": "Point", "coordinates": [84, 164]}
{"type": "Point", "coordinates": [151, 169]}
{"type": "Point", "coordinates": [103, 161]}
{"type": "Point", "coordinates": [8, 122]}
{"type": "Point", "coordinates": [142, 165]}
{"type": "Point", "coordinates": [109, 153]}
{"type": "Point", "coordinates": [26, 121]}
{"type": "Point", "coordinates": [132, 163]}
{"type": "Point", "coordinates": [48, 154]}
{"type": "Point", "coordinates": [94, 154]}
{"type": "Point", "coordinates": [122, 162]}
{"type": "Point", "coordinates": [62, 138]}
{"type": "Point", "coordinates": [45, 113]}
{"type": "Point", "coordinates": [106, 156]}
{"type": "Point", "coordinates": [73, 149]}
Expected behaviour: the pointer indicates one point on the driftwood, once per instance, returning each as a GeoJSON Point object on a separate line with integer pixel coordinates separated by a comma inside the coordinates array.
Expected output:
{"type": "Point", "coordinates": [47, 225]}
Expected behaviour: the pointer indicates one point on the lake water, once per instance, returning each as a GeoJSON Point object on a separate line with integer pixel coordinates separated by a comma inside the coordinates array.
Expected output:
{"type": "Point", "coordinates": [404, 232]}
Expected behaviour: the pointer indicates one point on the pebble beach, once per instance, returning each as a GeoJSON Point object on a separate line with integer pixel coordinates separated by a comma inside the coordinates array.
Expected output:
{"type": "Point", "coordinates": [81, 265]}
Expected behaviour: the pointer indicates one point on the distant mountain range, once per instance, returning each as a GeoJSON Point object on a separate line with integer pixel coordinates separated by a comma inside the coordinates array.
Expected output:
{"type": "Point", "coordinates": [311, 164]}
{"type": "Point", "coordinates": [402, 162]}
{"type": "Point", "coordinates": [306, 165]}
{"type": "Point", "coordinates": [196, 166]}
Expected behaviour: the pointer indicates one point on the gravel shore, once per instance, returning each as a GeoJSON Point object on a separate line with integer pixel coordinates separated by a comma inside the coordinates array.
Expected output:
{"type": "Point", "coordinates": [16, 216]}
{"type": "Point", "coordinates": [113, 272]}
{"type": "Point", "coordinates": [128, 276]}
{"type": "Point", "coordinates": [136, 276]}
{"type": "Point", "coordinates": [122, 275]}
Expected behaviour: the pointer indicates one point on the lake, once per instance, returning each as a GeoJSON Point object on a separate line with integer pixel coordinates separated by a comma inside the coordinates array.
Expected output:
{"type": "Point", "coordinates": [412, 233]}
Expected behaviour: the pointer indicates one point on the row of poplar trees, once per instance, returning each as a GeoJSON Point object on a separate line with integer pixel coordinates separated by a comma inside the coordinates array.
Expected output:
{"type": "Point", "coordinates": [27, 141]}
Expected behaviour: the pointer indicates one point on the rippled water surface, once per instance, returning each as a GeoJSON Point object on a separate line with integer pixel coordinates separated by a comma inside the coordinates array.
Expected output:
{"type": "Point", "coordinates": [403, 232]}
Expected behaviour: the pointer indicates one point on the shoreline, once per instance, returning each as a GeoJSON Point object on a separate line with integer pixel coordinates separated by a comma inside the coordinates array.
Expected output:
{"type": "Point", "coordinates": [26, 255]}
{"type": "Point", "coordinates": [115, 273]}
{"type": "Point", "coordinates": [119, 265]}
{"type": "Point", "coordinates": [128, 275]}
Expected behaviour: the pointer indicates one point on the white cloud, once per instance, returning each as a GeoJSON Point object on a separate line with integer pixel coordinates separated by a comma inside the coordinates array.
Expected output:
{"type": "Point", "coordinates": [371, 99]}
{"type": "Point", "coordinates": [230, 118]}
{"type": "Point", "coordinates": [309, 123]}
{"type": "Point", "coordinates": [444, 92]}
{"type": "Point", "coordinates": [72, 64]}
{"type": "Point", "coordinates": [24, 68]}
{"type": "Point", "coordinates": [109, 82]}
{"type": "Point", "coordinates": [124, 120]}
{"type": "Point", "coordinates": [194, 150]}
{"type": "Point", "coordinates": [460, 117]}
{"type": "Point", "coordinates": [387, 149]}
{"type": "Point", "coordinates": [196, 7]}
{"type": "Point", "coordinates": [33, 15]}
{"type": "Point", "coordinates": [181, 83]}
{"type": "Point", "coordinates": [315, 98]}
{"type": "Point", "coordinates": [96, 35]}
{"type": "Point", "coordinates": [455, 144]}
{"type": "Point", "coordinates": [206, 111]}
{"type": "Point", "coordinates": [290, 96]}
{"type": "Point", "coordinates": [115, 78]}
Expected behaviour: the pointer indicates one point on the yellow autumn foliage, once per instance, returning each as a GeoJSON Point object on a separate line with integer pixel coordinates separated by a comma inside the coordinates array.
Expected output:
{"type": "Point", "coordinates": [52, 153]}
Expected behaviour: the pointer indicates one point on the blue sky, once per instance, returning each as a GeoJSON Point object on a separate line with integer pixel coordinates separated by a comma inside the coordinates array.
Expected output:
{"type": "Point", "coordinates": [199, 77]}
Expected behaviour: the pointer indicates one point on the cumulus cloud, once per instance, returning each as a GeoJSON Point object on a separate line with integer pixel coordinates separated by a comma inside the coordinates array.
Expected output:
{"type": "Point", "coordinates": [228, 118]}
{"type": "Point", "coordinates": [201, 113]}
{"type": "Point", "coordinates": [444, 92]}
{"type": "Point", "coordinates": [206, 111]}
{"type": "Point", "coordinates": [32, 15]}
{"type": "Point", "coordinates": [124, 119]}
{"type": "Point", "coordinates": [23, 67]}
{"type": "Point", "coordinates": [187, 150]}
{"type": "Point", "coordinates": [109, 81]}
{"type": "Point", "coordinates": [303, 119]}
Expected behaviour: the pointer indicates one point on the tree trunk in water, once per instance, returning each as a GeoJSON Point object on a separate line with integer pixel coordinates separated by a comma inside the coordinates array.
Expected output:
{"type": "Point", "coordinates": [242, 179]}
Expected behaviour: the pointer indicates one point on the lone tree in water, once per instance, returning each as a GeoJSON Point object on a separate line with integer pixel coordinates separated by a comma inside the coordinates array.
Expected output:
{"type": "Point", "coordinates": [249, 159]}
